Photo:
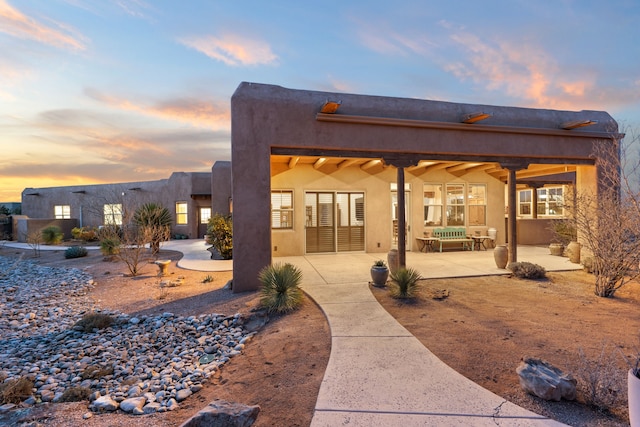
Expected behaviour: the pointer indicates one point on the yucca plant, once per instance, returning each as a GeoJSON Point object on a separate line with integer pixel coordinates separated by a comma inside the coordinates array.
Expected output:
{"type": "Point", "coordinates": [404, 283]}
{"type": "Point", "coordinates": [155, 221]}
{"type": "Point", "coordinates": [52, 235]}
{"type": "Point", "coordinates": [280, 292]}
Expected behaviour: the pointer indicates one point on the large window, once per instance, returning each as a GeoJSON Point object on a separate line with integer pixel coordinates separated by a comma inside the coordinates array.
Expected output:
{"type": "Point", "coordinates": [113, 214]}
{"type": "Point", "coordinates": [455, 204]}
{"type": "Point", "coordinates": [181, 213]}
{"type": "Point", "coordinates": [524, 202]}
{"type": "Point", "coordinates": [62, 211]}
{"type": "Point", "coordinates": [550, 201]}
{"type": "Point", "coordinates": [432, 194]}
{"type": "Point", "coordinates": [281, 209]}
{"type": "Point", "coordinates": [205, 214]}
{"type": "Point", "coordinates": [477, 204]}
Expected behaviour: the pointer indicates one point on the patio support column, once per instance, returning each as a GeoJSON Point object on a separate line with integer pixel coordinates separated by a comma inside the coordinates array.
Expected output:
{"type": "Point", "coordinates": [402, 221]}
{"type": "Point", "coordinates": [400, 163]}
{"type": "Point", "coordinates": [534, 199]}
{"type": "Point", "coordinates": [512, 245]}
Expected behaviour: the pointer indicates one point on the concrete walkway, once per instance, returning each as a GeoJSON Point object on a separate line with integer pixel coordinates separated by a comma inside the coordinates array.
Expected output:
{"type": "Point", "coordinates": [378, 373]}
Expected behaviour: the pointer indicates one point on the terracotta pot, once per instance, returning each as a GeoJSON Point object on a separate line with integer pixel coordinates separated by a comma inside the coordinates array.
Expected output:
{"type": "Point", "coordinates": [633, 388]}
{"type": "Point", "coordinates": [393, 260]}
{"type": "Point", "coordinates": [501, 255]}
{"type": "Point", "coordinates": [379, 275]}
{"type": "Point", "coordinates": [556, 249]}
{"type": "Point", "coordinates": [573, 250]}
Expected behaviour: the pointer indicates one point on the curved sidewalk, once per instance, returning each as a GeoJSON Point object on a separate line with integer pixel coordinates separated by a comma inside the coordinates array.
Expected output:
{"type": "Point", "coordinates": [378, 373]}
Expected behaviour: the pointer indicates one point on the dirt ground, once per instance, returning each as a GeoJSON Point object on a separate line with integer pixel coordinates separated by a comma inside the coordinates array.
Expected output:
{"type": "Point", "coordinates": [481, 327]}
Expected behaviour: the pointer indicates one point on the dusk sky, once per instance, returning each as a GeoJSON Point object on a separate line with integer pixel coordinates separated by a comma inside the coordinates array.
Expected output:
{"type": "Point", "coordinates": [100, 91]}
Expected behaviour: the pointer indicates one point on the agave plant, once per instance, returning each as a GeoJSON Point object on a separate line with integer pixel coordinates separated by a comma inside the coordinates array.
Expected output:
{"type": "Point", "coordinates": [405, 283]}
{"type": "Point", "coordinates": [280, 292]}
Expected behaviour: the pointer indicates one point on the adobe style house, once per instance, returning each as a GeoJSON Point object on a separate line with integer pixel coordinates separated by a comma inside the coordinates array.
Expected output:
{"type": "Point", "coordinates": [187, 195]}
{"type": "Point", "coordinates": [318, 172]}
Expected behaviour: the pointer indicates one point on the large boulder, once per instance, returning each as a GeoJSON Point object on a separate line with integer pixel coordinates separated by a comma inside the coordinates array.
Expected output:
{"type": "Point", "coordinates": [220, 413]}
{"type": "Point", "coordinates": [540, 378]}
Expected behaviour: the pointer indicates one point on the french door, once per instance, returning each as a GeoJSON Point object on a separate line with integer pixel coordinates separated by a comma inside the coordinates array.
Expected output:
{"type": "Point", "coordinates": [334, 221]}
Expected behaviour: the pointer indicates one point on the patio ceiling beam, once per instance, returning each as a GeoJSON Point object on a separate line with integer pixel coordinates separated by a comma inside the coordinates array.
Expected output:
{"type": "Point", "coordinates": [370, 164]}
{"type": "Point", "coordinates": [321, 161]}
{"type": "Point", "coordinates": [294, 161]}
{"type": "Point", "coordinates": [346, 163]}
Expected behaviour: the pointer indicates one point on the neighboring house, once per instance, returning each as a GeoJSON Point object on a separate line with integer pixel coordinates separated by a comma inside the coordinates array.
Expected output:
{"type": "Point", "coordinates": [317, 172]}
{"type": "Point", "coordinates": [187, 195]}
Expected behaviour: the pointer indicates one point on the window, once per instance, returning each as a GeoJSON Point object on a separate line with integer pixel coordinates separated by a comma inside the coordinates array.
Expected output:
{"type": "Point", "coordinates": [181, 213]}
{"type": "Point", "coordinates": [281, 209]}
{"type": "Point", "coordinates": [551, 201]}
{"type": "Point", "coordinates": [432, 197]}
{"type": "Point", "coordinates": [113, 214]}
{"type": "Point", "coordinates": [477, 204]}
{"type": "Point", "coordinates": [205, 214]}
{"type": "Point", "coordinates": [62, 211]}
{"type": "Point", "coordinates": [524, 203]}
{"type": "Point", "coordinates": [455, 204]}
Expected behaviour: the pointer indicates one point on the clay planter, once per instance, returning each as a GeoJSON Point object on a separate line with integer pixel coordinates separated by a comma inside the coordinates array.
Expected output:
{"type": "Point", "coordinates": [393, 260]}
{"type": "Point", "coordinates": [633, 388]}
{"type": "Point", "coordinates": [501, 255]}
{"type": "Point", "coordinates": [573, 250]}
{"type": "Point", "coordinates": [379, 276]}
{"type": "Point", "coordinates": [556, 249]}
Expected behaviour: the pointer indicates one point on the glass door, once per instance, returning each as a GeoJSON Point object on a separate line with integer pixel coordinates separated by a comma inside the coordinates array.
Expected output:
{"type": "Point", "coordinates": [320, 222]}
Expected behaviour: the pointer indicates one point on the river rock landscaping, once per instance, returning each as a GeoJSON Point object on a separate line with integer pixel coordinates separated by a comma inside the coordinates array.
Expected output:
{"type": "Point", "coordinates": [140, 364]}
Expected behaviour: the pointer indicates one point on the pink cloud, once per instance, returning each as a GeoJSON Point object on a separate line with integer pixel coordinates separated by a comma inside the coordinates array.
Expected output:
{"type": "Point", "coordinates": [232, 49]}
{"type": "Point", "coordinates": [17, 24]}
{"type": "Point", "coordinates": [194, 111]}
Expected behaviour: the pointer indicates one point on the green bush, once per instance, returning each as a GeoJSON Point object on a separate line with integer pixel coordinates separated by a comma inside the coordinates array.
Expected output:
{"type": "Point", "coordinates": [75, 252]}
{"type": "Point", "coordinates": [52, 235]}
{"type": "Point", "coordinates": [527, 270]}
{"type": "Point", "coordinates": [110, 246]}
{"type": "Point", "coordinates": [280, 291]}
{"type": "Point", "coordinates": [220, 235]}
{"type": "Point", "coordinates": [404, 283]}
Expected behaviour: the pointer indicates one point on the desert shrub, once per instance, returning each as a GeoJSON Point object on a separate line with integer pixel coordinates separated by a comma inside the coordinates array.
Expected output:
{"type": "Point", "coordinates": [404, 283]}
{"type": "Point", "coordinates": [15, 390]}
{"type": "Point", "coordinates": [91, 321]}
{"type": "Point", "coordinates": [76, 394]}
{"type": "Point", "coordinates": [75, 252]}
{"type": "Point", "coordinates": [96, 372]}
{"type": "Point", "coordinates": [208, 279]}
{"type": "Point", "coordinates": [527, 270]}
{"type": "Point", "coordinates": [155, 220]}
{"type": "Point", "coordinates": [600, 381]}
{"type": "Point", "coordinates": [52, 235]}
{"type": "Point", "coordinates": [86, 234]}
{"type": "Point", "coordinates": [280, 291]}
{"type": "Point", "coordinates": [220, 234]}
{"type": "Point", "coordinates": [110, 246]}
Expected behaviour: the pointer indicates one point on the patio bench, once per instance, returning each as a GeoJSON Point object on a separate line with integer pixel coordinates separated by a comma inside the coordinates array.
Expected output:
{"type": "Point", "coordinates": [453, 235]}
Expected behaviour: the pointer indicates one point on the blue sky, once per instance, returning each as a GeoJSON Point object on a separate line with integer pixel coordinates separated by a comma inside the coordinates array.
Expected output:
{"type": "Point", "coordinates": [95, 91]}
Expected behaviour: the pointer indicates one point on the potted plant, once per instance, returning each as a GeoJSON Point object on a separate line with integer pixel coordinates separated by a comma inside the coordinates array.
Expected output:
{"type": "Point", "coordinates": [633, 390]}
{"type": "Point", "coordinates": [379, 273]}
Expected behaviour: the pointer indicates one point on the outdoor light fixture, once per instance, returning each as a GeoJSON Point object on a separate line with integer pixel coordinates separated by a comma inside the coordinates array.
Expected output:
{"type": "Point", "coordinates": [577, 124]}
{"type": "Point", "coordinates": [330, 107]}
{"type": "Point", "coordinates": [475, 117]}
